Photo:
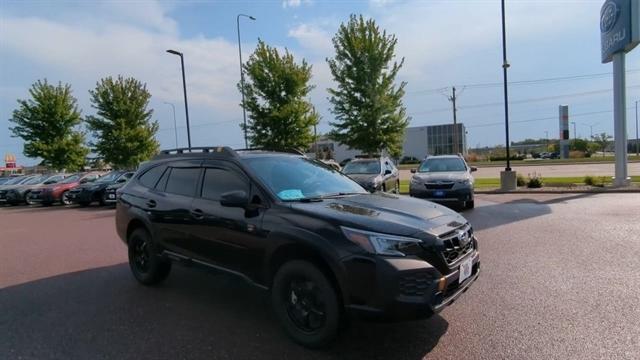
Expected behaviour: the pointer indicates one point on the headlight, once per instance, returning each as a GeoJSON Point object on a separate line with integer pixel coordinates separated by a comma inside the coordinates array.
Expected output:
{"type": "Point", "coordinates": [382, 244]}
{"type": "Point", "coordinates": [415, 180]}
{"type": "Point", "coordinates": [464, 182]}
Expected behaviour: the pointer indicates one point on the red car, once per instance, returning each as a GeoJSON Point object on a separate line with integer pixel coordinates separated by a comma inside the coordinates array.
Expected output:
{"type": "Point", "coordinates": [48, 194]}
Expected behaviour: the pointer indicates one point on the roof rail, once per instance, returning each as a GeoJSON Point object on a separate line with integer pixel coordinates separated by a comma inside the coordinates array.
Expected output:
{"type": "Point", "coordinates": [288, 150]}
{"type": "Point", "coordinates": [224, 150]}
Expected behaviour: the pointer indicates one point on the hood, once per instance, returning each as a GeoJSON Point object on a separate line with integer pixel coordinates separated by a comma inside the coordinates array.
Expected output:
{"type": "Point", "coordinates": [385, 213]}
{"type": "Point", "coordinates": [97, 185]}
{"type": "Point", "coordinates": [443, 176]}
{"type": "Point", "coordinates": [115, 186]}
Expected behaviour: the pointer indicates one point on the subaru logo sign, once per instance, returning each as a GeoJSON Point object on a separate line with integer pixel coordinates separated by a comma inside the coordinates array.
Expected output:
{"type": "Point", "coordinates": [619, 27]}
{"type": "Point", "coordinates": [608, 16]}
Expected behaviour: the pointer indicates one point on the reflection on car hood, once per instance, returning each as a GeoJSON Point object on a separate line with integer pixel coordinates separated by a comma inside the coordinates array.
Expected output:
{"type": "Point", "coordinates": [115, 186]}
{"type": "Point", "coordinates": [363, 178]}
{"type": "Point", "coordinates": [443, 176]}
{"type": "Point", "coordinates": [385, 213]}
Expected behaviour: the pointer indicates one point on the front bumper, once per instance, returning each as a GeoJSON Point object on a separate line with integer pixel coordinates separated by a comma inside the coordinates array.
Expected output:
{"type": "Point", "coordinates": [441, 195]}
{"type": "Point", "coordinates": [43, 197]}
{"type": "Point", "coordinates": [405, 288]}
{"type": "Point", "coordinates": [82, 196]}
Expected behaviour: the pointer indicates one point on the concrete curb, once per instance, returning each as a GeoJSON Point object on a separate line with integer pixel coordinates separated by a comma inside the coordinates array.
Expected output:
{"type": "Point", "coordinates": [559, 191]}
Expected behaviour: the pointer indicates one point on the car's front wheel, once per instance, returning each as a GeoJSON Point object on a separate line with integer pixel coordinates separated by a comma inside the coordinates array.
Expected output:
{"type": "Point", "coordinates": [147, 267]}
{"type": "Point", "coordinates": [64, 199]}
{"type": "Point", "coordinates": [306, 304]}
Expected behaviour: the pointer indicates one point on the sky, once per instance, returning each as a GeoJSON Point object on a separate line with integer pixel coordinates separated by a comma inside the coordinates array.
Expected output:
{"type": "Point", "coordinates": [443, 43]}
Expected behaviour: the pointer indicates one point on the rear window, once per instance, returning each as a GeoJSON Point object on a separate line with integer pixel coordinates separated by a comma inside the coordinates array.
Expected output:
{"type": "Point", "coordinates": [182, 181]}
{"type": "Point", "coordinates": [151, 176]}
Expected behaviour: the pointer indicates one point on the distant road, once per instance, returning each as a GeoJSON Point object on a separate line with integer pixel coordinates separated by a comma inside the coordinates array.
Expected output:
{"type": "Point", "coordinates": [606, 169]}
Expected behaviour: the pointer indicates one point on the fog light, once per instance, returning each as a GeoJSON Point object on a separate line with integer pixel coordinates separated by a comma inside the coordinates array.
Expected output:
{"type": "Point", "coordinates": [442, 283]}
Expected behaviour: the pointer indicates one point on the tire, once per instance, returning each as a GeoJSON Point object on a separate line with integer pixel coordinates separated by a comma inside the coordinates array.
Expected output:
{"type": "Point", "coordinates": [306, 304]}
{"type": "Point", "coordinates": [146, 265]}
{"type": "Point", "coordinates": [64, 199]}
{"type": "Point", "coordinates": [103, 199]}
{"type": "Point", "coordinates": [469, 205]}
{"type": "Point", "coordinates": [26, 198]}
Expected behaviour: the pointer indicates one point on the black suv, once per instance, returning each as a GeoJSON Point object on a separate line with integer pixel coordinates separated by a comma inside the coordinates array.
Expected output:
{"type": "Point", "coordinates": [320, 243]}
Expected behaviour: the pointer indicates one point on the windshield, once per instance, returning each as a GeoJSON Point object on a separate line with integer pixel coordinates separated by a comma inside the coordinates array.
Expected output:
{"type": "Point", "coordinates": [294, 178]}
{"type": "Point", "coordinates": [442, 165]}
{"type": "Point", "coordinates": [70, 179]}
{"type": "Point", "coordinates": [362, 167]}
{"type": "Point", "coordinates": [37, 180]}
{"type": "Point", "coordinates": [110, 177]}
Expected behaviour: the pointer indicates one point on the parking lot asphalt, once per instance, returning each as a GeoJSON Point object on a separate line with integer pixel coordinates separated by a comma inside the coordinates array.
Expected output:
{"type": "Point", "coordinates": [560, 280]}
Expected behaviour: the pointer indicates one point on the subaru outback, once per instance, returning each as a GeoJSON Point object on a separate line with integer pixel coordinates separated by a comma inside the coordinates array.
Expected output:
{"type": "Point", "coordinates": [323, 247]}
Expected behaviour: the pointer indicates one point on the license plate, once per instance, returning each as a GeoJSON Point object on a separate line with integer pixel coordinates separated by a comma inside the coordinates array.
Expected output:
{"type": "Point", "coordinates": [112, 196]}
{"type": "Point", "coordinates": [465, 270]}
{"type": "Point", "coordinates": [438, 193]}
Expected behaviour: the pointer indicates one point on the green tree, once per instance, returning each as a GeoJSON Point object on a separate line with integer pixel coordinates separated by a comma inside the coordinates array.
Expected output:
{"type": "Point", "coordinates": [122, 127]}
{"type": "Point", "coordinates": [578, 145]}
{"type": "Point", "coordinates": [367, 105]}
{"type": "Point", "coordinates": [276, 90]}
{"type": "Point", "coordinates": [602, 140]}
{"type": "Point", "coordinates": [48, 125]}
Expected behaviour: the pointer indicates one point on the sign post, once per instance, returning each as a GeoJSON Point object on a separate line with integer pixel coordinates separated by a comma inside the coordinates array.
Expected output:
{"type": "Point", "coordinates": [564, 131]}
{"type": "Point", "coordinates": [619, 33]}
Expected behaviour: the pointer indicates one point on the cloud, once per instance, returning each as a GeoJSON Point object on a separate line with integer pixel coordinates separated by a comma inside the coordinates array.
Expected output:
{"type": "Point", "coordinates": [312, 38]}
{"type": "Point", "coordinates": [75, 53]}
{"type": "Point", "coordinates": [294, 3]}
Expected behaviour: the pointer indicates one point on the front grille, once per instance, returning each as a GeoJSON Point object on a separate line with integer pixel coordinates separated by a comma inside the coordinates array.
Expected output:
{"type": "Point", "coordinates": [454, 248]}
{"type": "Point", "coordinates": [414, 284]}
{"type": "Point", "coordinates": [439, 186]}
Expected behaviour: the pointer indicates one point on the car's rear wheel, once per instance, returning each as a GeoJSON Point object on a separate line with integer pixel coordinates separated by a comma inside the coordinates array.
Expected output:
{"type": "Point", "coordinates": [103, 199]}
{"type": "Point", "coordinates": [306, 303]}
{"type": "Point", "coordinates": [146, 265]}
{"type": "Point", "coordinates": [64, 198]}
{"type": "Point", "coordinates": [27, 198]}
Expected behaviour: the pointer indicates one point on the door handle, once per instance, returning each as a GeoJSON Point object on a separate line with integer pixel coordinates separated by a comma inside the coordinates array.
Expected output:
{"type": "Point", "coordinates": [151, 203]}
{"type": "Point", "coordinates": [197, 214]}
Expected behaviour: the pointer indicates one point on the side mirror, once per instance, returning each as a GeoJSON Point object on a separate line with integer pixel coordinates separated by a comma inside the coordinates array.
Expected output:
{"type": "Point", "coordinates": [237, 198]}
{"type": "Point", "coordinates": [473, 168]}
{"type": "Point", "coordinates": [413, 171]}
{"type": "Point", "coordinates": [387, 172]}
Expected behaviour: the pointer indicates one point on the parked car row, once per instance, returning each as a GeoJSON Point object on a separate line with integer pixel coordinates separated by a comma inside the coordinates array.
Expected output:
{"type": "Point", "coordinates": [47, 189]}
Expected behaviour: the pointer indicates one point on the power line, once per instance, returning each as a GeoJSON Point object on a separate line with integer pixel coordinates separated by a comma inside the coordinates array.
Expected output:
{"type": "Point", "coordinates": [523, 82]}
{"type": "Point", "coordinates": [545, 118]}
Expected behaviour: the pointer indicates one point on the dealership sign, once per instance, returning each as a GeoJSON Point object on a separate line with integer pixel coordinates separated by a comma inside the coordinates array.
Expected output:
{"type": "Point", "coordinates": [619, 27]}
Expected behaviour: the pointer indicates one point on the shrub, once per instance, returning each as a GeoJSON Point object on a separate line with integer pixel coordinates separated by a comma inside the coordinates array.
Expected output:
{"type": "Point", "coordinates": [598, 181]}
{"type": "Point", "coordinates": [535, 181]}
{"type": "Point", "coordinates": [471, 157]}
{"type": "Point", "coordinates": [576, 154]}
{"type": "Point", "coordinates": [520, 180]}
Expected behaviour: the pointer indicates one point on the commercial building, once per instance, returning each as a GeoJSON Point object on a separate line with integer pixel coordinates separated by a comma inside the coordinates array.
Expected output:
{"type": "Point", "coordinates": [419, 141]}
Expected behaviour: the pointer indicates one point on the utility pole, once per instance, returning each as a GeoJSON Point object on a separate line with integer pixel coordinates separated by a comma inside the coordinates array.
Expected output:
{"type": "Point", "coordinates": [637, 142]}
{"type": "Point", "coordinates": [452, 98]}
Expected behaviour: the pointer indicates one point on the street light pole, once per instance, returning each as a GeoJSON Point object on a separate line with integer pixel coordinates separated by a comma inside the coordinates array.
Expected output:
{"type": "Point", "coordinates": [184, 88]}
{"type": "Point", "coordinates": [637, 142]}
{"type": "Point", "coordinates": [175, 126]}
{"type": "Point", "coordinates": [505, 66]}
{"type": "Point", "coordinates": [244, 112]}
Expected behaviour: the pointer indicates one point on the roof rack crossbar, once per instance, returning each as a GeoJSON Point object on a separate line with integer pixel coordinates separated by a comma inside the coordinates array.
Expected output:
{"type": "Point", "coordinates": [200, 149]}
{"type": "Point", "coordinates": [288, 150]}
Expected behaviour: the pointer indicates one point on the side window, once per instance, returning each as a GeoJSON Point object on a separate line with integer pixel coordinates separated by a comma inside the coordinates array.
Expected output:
{"type": "Point", "coordinates": [218, 181]}
{"type": "Point", "coordinates": [162, 183]}
{"type": "Point", "coordinates": [183, 181]}
{"type": "Point", "coordinates": [151, 176]}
